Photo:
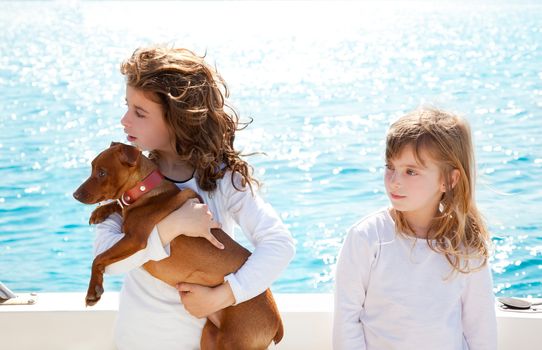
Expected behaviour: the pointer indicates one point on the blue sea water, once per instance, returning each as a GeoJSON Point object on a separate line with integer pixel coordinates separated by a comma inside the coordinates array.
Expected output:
{"type": "Point", "coordinates": [322, 81]}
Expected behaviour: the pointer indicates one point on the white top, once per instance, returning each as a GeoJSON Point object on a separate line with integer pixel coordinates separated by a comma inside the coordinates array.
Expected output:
{"type": "Point", "coordinates": [151, 315]}
{"type": "Point", "coordinates": [394, 292]}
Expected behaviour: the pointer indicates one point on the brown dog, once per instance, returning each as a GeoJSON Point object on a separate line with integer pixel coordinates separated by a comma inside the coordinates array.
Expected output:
{"type": "Point", "coordinates": [116, 172]}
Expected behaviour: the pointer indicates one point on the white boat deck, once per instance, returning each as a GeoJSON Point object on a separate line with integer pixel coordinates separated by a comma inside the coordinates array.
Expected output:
{"type": "Point", "coordinates": [60, 321]}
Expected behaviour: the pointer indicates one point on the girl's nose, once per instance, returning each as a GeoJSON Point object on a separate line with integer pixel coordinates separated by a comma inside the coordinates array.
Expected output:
{"type": "Point", "coordinates": [124, 120]}
{"type": "Point", "coordinates": [394, 180]}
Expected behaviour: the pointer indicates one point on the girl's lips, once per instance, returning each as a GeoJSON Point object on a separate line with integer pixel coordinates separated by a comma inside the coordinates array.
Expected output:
{"type": "Point", "coordinates": [131, 138]}
{"type": "Point", "coordinates": [395, 196]}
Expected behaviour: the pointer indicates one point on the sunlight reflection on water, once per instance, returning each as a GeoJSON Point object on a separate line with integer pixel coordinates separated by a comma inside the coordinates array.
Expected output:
{"type": "Point", "coordinates": [322, 82]}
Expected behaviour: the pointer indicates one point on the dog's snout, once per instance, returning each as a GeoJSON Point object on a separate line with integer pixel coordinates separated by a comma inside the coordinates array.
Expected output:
{"type": "Point", "coordinates": [81, 195]}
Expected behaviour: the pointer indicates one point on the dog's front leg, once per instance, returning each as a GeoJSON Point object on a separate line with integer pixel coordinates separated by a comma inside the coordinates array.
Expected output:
{"type": "Point", "coordinates": [103, 211]}
{"type": "Point", "coordinates": [128, 245]}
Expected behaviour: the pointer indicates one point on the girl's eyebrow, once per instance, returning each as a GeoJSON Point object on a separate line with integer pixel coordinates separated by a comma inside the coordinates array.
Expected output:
{"type": "Point", "coordinates": [137, 107]}
{"type": "Point", "coordinates": [141, 109]}
{"type": "Point", "coordinates": [411, 166]}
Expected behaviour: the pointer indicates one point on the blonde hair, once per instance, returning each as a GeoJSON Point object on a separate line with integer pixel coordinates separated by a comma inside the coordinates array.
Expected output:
{"type": "Point", "coordinates": [458, 231]}
{"type": "Point", "coordinates": [192, 95]}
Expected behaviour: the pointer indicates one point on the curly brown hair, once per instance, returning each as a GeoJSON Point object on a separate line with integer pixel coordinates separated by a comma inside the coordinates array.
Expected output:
{"type": "Point", "coordinates": [193, 97]}
{"type": "Point", "coordinates": [458, 231]}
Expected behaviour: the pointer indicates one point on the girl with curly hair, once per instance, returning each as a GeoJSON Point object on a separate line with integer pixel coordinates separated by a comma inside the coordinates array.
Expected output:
{"type": "Point", "coordinates": [176, 110]}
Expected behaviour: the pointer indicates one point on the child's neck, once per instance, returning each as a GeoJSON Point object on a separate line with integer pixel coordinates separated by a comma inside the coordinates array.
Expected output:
{"type": "Point", "coordinates": [420, 222]}
{"type": "Point", "coordinates": [174, 168]}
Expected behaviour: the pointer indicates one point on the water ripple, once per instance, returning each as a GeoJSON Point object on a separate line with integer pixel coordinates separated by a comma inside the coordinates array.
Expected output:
{"type": "Point", "coordinates": [322, 96]}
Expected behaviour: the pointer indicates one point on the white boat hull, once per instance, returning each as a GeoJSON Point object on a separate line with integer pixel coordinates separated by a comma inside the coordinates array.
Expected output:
{"type": "Point", "coordinates": [60, 321]}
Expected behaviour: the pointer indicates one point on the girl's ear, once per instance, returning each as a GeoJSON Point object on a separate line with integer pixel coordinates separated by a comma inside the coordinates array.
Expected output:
{"type": "Point", "coordinates": [454, 176]}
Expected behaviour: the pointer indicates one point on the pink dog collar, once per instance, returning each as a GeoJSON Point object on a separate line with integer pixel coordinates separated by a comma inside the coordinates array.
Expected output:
{"type": "Point", "coordinates": [148, 183]}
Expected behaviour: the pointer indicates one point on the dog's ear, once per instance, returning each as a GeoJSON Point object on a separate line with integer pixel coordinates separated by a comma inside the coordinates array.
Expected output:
{"type": "Point", "coordinates": [114, 144]}
{"type": "Point", "coordinates": [129, 155]}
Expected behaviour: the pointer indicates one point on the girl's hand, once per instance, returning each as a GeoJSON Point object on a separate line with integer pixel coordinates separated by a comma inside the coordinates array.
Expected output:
{"type": "Point", "coordinates": [192, 219]}
{"type": "Point", "coordinates": [201, 301]}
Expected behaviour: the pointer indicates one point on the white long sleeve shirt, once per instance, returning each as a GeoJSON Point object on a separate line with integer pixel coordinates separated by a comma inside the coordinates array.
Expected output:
{"type": "Point", "coordinates": [394, 292]}
{"type": "Point", "coordinates": [150, 312]}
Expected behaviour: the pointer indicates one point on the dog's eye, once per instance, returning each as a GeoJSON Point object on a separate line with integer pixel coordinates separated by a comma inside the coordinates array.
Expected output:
{"type": "Point", "coordinates": [101, 173]}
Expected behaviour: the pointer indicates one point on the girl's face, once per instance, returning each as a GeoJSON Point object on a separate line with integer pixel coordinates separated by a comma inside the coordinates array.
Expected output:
{"type": "Point", "coordinates": [412, 187]}
{"type": "Point", "coordinates": [144, 122]}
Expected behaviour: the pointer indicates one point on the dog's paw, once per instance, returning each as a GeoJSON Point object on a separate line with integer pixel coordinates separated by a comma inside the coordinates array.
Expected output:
{"type": "Point", "coordinates": [96, 218]}
{"type": "Point", "coordinates": [102, 212]}
{"type": "Point", "coordinates": [94, 296]}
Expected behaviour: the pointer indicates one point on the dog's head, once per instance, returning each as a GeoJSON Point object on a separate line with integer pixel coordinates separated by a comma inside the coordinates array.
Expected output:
{"type": "Point", "coordinates": [114, 171]}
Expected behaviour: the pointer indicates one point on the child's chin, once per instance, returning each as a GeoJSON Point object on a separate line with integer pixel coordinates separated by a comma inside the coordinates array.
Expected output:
{"type": "Point", "coordinates": [139, 146]}
{"type": "Point", "coordinates": [399, 207]}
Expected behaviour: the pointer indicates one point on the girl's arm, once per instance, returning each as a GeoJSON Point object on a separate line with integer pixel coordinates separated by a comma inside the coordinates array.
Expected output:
{"type": "Point", "coordinates": [351, 279]}
{"type": "Point", "coordinates": [192, 219]}
{"type": "Point", "coordinates": [478, 311]}
{"type": "Point", "coordinates": [274, 246]}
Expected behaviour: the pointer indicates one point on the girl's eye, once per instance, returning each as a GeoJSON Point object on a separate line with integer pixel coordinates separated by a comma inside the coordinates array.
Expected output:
{"type": "Point", "coordinates": [411, 172]}
{"type": "Point", "coordinates": [389, 166]}
{"type": "Point", "coordinates": [139, 115]}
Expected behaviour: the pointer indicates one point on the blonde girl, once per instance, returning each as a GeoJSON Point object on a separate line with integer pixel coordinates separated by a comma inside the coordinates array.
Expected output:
{"type": "Point", "coordinates": [415, 275]}
{"type": "Point", "coordinates": [176, 110]}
